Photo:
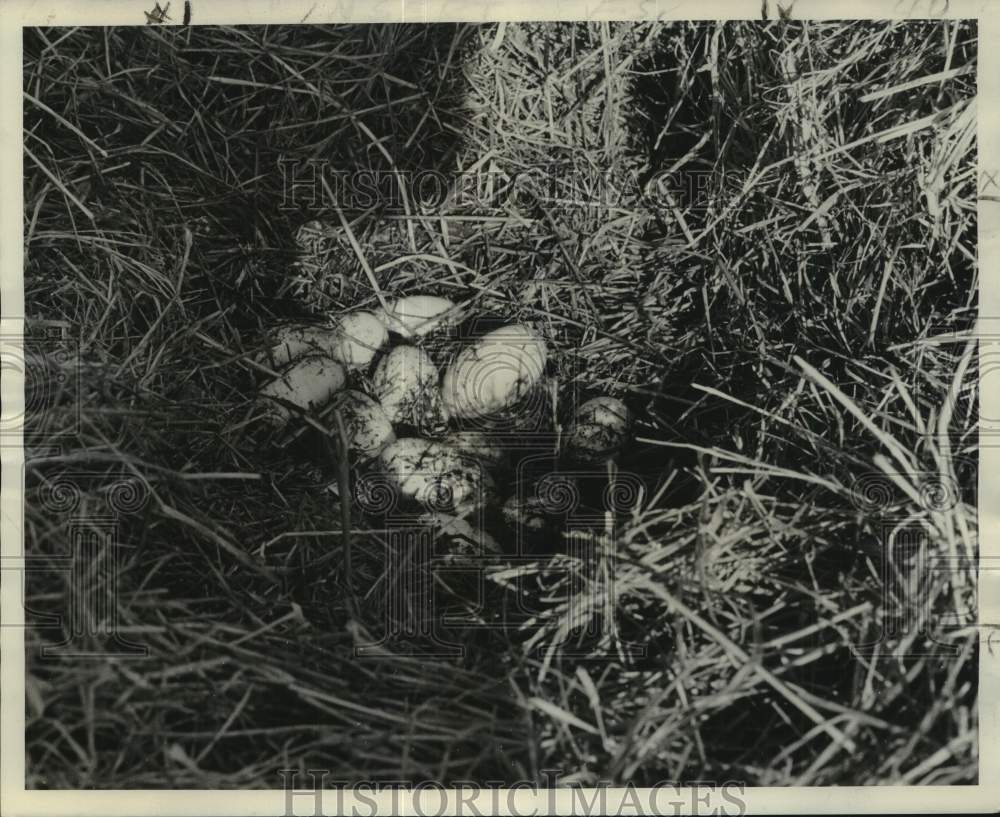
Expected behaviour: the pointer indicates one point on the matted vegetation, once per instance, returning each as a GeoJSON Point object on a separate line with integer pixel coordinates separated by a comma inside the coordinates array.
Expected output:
{"type": "Point", "coordinates": [781, 281]}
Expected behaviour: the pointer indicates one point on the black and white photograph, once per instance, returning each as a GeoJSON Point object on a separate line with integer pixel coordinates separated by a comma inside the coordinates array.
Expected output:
{"type": "Point", "coordinates": [574, 405]}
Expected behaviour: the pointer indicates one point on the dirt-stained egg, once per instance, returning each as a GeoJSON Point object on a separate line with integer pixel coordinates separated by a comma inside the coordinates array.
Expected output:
{"type": "Point", "coordinates": [436, 475]}
{"type": "Point", "coordinates": [368, 429]}
{"type": "Point", "coordinates": [309, 383]}
{"type": "Point", "coordinates": [353, 340]}
{"type": "Point", "coordinates": [414, 316]}
{"type": "Point", "coordinates": [465, 540]}
{"type": "Point", "coordinates": [486, 448]}
{"type": "Point", "coordinates": [293, 340]}
{"type": "Point", "coordinates": [405, 382]}
{"type": "Point", "coordinates": [599, 429]}
{"type": "Point", "coordinates": [494, 372]}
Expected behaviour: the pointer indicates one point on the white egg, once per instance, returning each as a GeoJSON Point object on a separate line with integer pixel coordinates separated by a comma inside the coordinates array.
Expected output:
{"type": "Point", "coordinates": [436, 475]}
{"type": "Point", "coordinates": [354, 340]}
{"type": "Point", "coordinates": [361, 335]}
{"type": "Point", "coordinates": [309, 383]}
{"type": "Point", "coordinates": [416, 315]}
{"type": "Point", "coordinates": [599, 430]}
{"type": "Point", "coordinates": [494, 372]}
{"type": "Point", "coordinates": [368, 429]}
{"type": "Point", "coordinates": [406, 384]}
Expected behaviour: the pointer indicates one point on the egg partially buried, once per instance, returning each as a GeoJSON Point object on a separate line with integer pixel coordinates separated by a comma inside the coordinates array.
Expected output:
{"type": "Point", "coordinates": [599, 430]}
{"type": "Point", "coordinates": [406, 384]}
{"type": "Point", "coordinates": [529, 514]}
{"type": "Point", "coordinates": [368, 429]}
{"type": "Point", "coordinates": [494, 372]}
{"type": "Point", "coordinates": [478, 445]}
{"type": "Point", "coordinates": [465, 541]}
{"type": "Point", "coordinates": [436, 475]}
{"type": "Point", "coordinates": [353, 341]}
{"type": "Point", "coordinates": [309, 383]}
{"type": "Point", "coordinates": [414, 316]}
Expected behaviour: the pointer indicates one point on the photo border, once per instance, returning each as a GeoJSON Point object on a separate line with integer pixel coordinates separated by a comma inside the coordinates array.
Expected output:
{"type": "Point", "coordinates": [16, 14]}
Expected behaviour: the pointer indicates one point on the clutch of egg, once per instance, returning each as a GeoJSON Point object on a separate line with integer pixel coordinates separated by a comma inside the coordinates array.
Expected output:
{"type": "Point", "coordinates": [487, 379]}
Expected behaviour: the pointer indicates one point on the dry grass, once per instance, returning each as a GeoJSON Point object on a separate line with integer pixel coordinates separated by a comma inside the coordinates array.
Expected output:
{"type": "Point", "coordinates": [792, 334]}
